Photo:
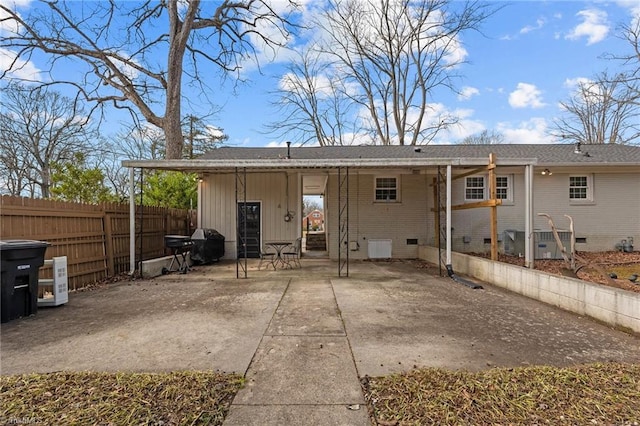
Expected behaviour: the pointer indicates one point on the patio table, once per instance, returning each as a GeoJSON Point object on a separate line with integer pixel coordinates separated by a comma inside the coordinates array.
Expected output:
{"type": "Point", "coordinates": [278, 246]}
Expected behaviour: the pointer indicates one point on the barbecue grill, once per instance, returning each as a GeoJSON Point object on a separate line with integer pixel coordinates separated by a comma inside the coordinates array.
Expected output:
{"type": "Point", "coordinates": [180, 246]}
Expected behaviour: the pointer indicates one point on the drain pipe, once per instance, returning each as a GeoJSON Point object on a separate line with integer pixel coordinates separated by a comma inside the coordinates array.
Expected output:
{"type": "Point", "coordinates": [449, 265]}
{"type": "Point", "coordinates": [461, 280]}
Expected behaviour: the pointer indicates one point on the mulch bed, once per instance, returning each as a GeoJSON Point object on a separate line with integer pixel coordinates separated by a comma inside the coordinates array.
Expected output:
{"type": "Point", "coordinates": [178, 398]}
{"type": "Point", "coordinates": [594, 394]}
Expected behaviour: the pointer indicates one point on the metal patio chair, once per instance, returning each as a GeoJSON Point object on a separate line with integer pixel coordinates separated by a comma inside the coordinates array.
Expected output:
{"type": "Point", "coordinates": [267, 256]}
{"type": "Point", "coordinates": [292, 253]}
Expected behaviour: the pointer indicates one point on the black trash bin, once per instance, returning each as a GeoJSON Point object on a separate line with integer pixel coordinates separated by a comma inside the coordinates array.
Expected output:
{"type": "Point", "coordinates": [208, 246]}
{"type": "Point", "coordinates": [20, 262]}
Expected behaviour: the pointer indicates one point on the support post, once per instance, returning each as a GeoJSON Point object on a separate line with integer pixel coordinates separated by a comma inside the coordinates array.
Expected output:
{"type": "Point", "coordinates": [528, 215]}
{"type": "Point", "coordinates": [448, 214]}
{"type": "Point", "coordinates": [493, 195]}
{"type": "Point", "coordinates": [132, 222]}
{"type": "Point", "coordinates": [343, 222]}
{"type": "Point", "coordinates": [241, 223]}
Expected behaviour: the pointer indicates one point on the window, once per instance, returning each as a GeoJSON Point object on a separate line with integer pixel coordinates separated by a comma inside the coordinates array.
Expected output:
{"type": "Point", "coordinates": [474, 189]}
{"type": "Point", "coordinates": [504, 188]}
{"type": "Point", "coordinates": [579, 188]}
{"type": "Point", "coordinates": [386, 189]}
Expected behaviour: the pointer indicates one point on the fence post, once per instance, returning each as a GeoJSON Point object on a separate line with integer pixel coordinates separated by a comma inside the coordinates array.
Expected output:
{"type": "Point", "coordinates": [108, 240]}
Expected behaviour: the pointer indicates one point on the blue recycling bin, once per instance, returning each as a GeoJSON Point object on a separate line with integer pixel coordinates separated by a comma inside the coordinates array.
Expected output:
{"type": "Point", "coordinates": [20, 262]}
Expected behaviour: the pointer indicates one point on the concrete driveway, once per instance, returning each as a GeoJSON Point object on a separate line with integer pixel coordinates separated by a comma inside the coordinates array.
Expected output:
{"type": "Point", "coordinates": [304, 337]}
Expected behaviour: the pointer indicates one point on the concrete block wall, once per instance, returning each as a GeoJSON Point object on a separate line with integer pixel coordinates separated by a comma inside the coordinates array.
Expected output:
{"type": "Point", "coordinates": [615, 307]}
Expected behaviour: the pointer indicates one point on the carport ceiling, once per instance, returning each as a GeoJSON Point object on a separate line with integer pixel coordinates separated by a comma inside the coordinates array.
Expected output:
{"type": "Point", "coordinates": [313, 185]}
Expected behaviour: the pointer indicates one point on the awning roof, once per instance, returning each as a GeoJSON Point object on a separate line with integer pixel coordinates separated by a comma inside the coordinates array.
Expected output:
{"type": "Point", "coordinates": [227, 159]}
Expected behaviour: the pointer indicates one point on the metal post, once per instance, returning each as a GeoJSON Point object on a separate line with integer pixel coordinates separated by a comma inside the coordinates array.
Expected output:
{"type": "Point", "coordinates": [132, 222]}
{"type": "Point", "coordinates": [241, 223]}
{"type": "Point", "coordinates": [449, 214]}
{"type": "Point", "coordinates": [343, 221]}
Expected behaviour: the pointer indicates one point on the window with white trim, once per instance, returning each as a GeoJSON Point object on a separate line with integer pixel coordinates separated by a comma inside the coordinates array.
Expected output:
{"type": "Point", "coordinates": [474, 188]}
{"type": "Point", "coordinates": [580, 188]}
{"type": "Point", "coordinates": [504, 188]}
{"type": "Point", "coordinates": [386, 189]}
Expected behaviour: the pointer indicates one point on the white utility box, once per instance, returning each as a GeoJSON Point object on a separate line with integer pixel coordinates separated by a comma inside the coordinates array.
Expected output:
{"type": "Point", "coordinates": [56, 289]}
{"type": "Point", "coordinates": [379, 249]}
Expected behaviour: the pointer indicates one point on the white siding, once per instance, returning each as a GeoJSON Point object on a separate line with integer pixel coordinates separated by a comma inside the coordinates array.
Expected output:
{"type": "Point", "coordinates": [613, 215]}
{"type": "Point", "coordinates": [397, 221]}
{"type": "Point", "coordinates": [218, 206]}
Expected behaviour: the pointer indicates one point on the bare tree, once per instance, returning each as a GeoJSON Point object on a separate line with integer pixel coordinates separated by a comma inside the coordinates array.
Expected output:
{"type": "Point", "coordinates": [486, 137]}
{"type": "Point", "coordinates": [136, 54]}
{"type": "Point", "coordinates": [313, 104]}
{"type": "Point", "coordinates": [601, 111]}
{"type": "Point", "coordinates": [39, 127]}
{"type": "Point", "coordinates": [310, 204]}
{"type": "Point", "coordinates": [630, 61]}
{"type": "Point", "coordinates": [397, 53]}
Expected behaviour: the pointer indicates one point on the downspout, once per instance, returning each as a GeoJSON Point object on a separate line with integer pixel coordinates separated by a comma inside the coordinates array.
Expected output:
{"type": "Point", "coordinates": [449, 264]}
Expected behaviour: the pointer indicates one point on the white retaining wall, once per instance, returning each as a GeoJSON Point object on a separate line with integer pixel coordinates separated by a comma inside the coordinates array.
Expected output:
{"type": "Point", "coordinates": [616, 307]}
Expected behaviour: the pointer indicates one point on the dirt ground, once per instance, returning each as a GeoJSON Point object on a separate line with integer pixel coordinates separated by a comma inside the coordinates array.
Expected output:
{"type": "Point", "coordinates": [624, 265]}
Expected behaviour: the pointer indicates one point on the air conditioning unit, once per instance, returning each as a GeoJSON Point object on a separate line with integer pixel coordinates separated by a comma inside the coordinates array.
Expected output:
{"type": "Point", "coordinates": [546, 246]}
{"type": "Point", "coordinates": [514, 242]}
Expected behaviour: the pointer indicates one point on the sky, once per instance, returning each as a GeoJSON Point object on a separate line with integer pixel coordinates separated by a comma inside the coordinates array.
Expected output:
{"type": "Point", "coordinates": [526, 60]}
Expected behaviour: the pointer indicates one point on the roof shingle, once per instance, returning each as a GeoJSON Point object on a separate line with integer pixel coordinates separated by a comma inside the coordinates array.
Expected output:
{"type": "Point", "coordinates": [546, 154]}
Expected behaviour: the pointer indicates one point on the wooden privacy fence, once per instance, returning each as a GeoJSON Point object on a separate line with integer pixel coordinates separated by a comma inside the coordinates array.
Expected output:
{"type": "Point", "coordinates": [95, 238]}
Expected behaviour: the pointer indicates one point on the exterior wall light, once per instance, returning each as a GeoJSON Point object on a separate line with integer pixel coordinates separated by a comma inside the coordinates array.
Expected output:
{"type": "Point", "coordinates": [546, 172]}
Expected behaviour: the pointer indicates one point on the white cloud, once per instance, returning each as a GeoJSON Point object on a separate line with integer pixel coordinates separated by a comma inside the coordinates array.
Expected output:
{"type": "Point", "coordinates": [20, 69]}
{"type": "Point", "coordinates": [455, 53]}
{"type": "Point", "coordinates": [533, 131]}
{"type": "Point", "coordinates": [465, 126]}
{"type": "Point", "coordinates": [574, 83]}
{"type": "Point", "coordinates": [467, 92]}
{"type": "Point", "coordinates": [526, 95]}
{"type": "Point", "coordinates": [634, 10]}
{"type": "Point", "coordinates": [294, 83]}
{"type": "Point", "coordinates": [539, 24]}
{"type": "Point", "coordinates": [594, 26]}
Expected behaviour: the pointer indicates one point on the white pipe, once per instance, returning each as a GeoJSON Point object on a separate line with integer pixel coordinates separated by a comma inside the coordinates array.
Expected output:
{"type": "Point", "coordinates": [528, 217]}
{"type": "Point", "coordinates": [449, 214]}
{"type": "Point", "coordinates": [200, 203]}
{"type": "Point", "coordinates": [132, 223]}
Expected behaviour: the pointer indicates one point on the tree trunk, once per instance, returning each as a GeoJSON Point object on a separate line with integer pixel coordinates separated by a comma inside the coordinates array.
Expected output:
{"type": "Point", "coordinates": [171, 122]}
{"type": "Point", "coordinates": [178, 36]}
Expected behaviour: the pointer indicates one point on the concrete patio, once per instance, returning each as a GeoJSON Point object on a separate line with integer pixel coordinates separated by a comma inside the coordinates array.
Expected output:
{"type": "Point", "coordinates": [304, 337]}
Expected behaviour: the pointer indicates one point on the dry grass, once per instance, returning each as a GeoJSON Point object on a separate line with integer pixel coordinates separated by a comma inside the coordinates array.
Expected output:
{"type": "Point", "coordinates": [594, 394]}
{"type": "Point", "coordinates": [179, 398]}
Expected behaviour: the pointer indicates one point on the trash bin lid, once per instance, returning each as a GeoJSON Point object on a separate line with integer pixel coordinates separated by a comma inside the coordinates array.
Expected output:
{"type": "Point", "coordinates": [21, 244]}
